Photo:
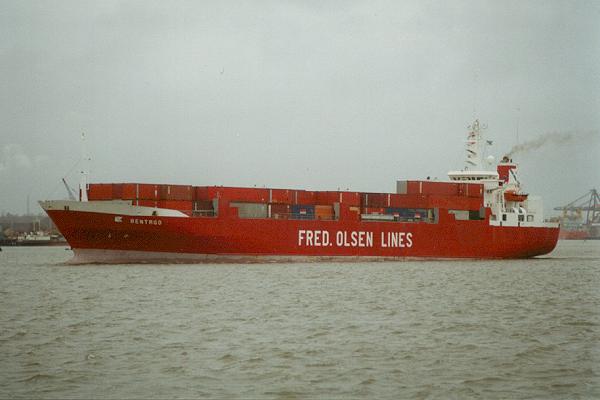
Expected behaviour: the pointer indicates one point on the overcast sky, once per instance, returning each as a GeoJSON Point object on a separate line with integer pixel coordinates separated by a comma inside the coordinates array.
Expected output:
{"type": "Point", "coordinates": [313, 94]}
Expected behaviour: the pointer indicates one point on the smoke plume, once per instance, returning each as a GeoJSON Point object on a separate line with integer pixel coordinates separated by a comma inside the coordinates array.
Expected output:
{"type": "Point", "coordinates": [557, 138]}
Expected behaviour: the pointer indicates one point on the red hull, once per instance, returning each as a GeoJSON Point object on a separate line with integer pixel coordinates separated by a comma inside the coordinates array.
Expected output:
{"type": "Point", "coordinates": [261, 239]}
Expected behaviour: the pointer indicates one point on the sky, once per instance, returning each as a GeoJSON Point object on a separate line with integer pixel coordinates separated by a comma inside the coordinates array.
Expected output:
{"type": "Point", "coordinates": [295, 94]}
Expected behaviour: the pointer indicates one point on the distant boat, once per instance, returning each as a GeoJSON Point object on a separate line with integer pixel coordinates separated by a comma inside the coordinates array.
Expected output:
{"type": "Point", "coordinates": [39, 238]}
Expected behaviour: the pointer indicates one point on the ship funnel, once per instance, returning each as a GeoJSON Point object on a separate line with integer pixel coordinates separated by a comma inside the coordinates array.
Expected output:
{"type": "Point", "coordinates": [505, 168]}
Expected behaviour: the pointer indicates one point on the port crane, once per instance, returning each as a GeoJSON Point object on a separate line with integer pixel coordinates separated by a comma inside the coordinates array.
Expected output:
{"type": "Point", "coordinates": [588, 203]}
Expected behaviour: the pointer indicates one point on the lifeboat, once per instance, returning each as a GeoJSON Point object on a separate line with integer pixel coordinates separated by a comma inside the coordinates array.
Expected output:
{"type": "Point", "coordinates": [511, 195]}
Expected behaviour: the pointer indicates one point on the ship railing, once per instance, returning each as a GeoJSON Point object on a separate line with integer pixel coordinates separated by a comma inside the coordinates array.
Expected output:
{"type": "Point", "coordinates": [204, 213]}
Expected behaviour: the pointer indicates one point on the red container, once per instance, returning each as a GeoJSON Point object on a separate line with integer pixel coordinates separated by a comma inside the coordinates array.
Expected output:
{"type": "Point", "coordinates": [128, 191]}
{"type": "Point", "coordinates": [146, 191]}
{"type": "Point", "coordinates": [470, 189]}
{"type": "Point", "coordinates": [117, 191]}
{"type": "Point", "coordinates": [375, 199]}
{"type": "Point", "coordinates": [408, 201]}
{"type": "Point", "coordinates": [455, 202]}
{"type": "Point", "coordinates": [413, 187]}
{"type": "Point", "coordinates": [438, 188]}
{"type": "Point", "coordinates": [349, 213]}
{"type": "Point", "coordinates": [304, 197]}
{"type": "Point", "coordinates": [100, 191]}
{"type": "Point", "coordinates": [280, 211]}
{"type": "Point", "coordinates": [251, 195]}
{"type": "Point", "coordinates": [201, 193]}
{"type": "Point", "coordinates": [474, 190]}
{"type": "Point", "coordinates": [180, 205]}
{"type": "Point", "coordinates": [350, 198]}
{"type": "Point", "coordinates": [327, 197]}
{"type": "Point", "coordinates": [282, 196]}
{"type": "Point", "coordinates": [145, 203]}
{"type": "Point", "coordinates": [175, 192]}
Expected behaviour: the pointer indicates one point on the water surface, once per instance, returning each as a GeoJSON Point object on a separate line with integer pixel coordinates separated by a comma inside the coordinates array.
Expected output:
{"type": "Point", "coordinates": [434, 329]}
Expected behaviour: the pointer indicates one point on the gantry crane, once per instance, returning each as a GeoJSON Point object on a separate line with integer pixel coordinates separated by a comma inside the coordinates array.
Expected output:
{"type": "Point", "coordinates": [588, 203]}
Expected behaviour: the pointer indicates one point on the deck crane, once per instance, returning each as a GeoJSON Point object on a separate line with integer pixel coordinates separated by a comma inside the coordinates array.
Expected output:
{"type": "Point", "coordinates": [69, 190]}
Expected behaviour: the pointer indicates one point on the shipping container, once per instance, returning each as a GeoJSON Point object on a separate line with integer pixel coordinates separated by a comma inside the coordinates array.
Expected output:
{"type": "Point", "coordinates": [250, 210]}
{"type": "Point", "coordinates": [300, 211]}
{"type": "Point", "coordinates": [281, 196]}
{"type": "Point", "coordinates": [250, 195]}
{"type": "Point", "coordinates": [201, 193]}
{"type": "Point", "coordinates": [175, 192]}
{"type": "Point", "coordinates": [146, 203]}
{"type": "Point", "coordinates": [100, 191]}
{"type": "Point", "coordinates": [180, 205]}
{"type": "Point", "coordinates": [146, 191]}
{"type": "Point", "coordinates": [350, 198]}
{"type": "Point", "coordinates": [407, 200]}
{"type": "Point", "coordinates": [129, 191]}
{"type": "Point", "coordinates": [408, 187]}
{"type": "Point", "coordinates": [117, 191]}
{"type": "Point", "coordinates": [428, 188]}
{"type": "Point", "coordinates": [280, 211]}
{"type": "Point", "coordinates": [375, 199]}
{"type": "Point", "coordinates": [461, 203]}
{"type": "Point", "coordinates": [327, 197]}
{"type": "Point", "coordinates": [474, 190]}
{"type": "Point", "coordinates": [440, 188]}
{"type": "Point", "coordinates": [324, 212]}
{"type": "Point", "coordinates": [304, 197]}
{"type": "Point", "coordinates": [349, 213]}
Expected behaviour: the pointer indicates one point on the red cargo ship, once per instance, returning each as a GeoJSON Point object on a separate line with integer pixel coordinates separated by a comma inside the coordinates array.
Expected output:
{"type": "Point", "coordinates": [478, 214]}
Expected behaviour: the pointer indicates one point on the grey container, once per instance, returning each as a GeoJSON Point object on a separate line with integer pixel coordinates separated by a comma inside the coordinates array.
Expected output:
{"type": "Point", "coordinates": [250, 210]}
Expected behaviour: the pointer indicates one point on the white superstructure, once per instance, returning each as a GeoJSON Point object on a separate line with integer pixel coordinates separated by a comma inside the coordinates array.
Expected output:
{"type": "Point", "coordinates": [501, 188]}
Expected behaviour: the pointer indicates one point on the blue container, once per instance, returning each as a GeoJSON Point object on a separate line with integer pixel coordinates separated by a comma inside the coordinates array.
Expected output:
{"type": "Point", "coordinates": [300, 211]}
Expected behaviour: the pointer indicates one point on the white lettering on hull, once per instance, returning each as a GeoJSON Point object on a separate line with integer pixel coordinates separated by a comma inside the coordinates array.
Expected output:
{"type": "Point", "coordinates": [144, 221]}
{"type": "Point", "coordinates": [396, 239]}
{"type": "Point", "coordinates": [314, 238]}
{"type": "Point", "coordinates": [320, 238]}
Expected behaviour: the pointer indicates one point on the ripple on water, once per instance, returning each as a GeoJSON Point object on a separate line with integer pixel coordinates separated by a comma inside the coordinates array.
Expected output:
{"type": "Point", "coordinates": [480, 329]}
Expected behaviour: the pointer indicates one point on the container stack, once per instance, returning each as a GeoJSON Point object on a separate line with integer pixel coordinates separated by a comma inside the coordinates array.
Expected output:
{"type": "Point", "coordinates": [210, 201]}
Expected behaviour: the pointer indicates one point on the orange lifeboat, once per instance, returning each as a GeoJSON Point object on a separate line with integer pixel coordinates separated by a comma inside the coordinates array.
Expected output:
{"type": "Point", "coordinates": [511, 195]}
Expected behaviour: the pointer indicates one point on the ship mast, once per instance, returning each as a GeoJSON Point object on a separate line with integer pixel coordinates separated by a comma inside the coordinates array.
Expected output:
{"type": "Point", "coordinates": [474, 163]}
{"type": "Point", "coordinates": [474, 159]}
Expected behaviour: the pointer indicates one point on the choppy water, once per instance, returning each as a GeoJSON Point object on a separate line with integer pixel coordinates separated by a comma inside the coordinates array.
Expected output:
{"type": "Point", "coordinates": [438, 329]}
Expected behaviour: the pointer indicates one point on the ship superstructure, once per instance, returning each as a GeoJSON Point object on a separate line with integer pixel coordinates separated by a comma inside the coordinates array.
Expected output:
{"type": "Point", "coordinates": [477, 214]}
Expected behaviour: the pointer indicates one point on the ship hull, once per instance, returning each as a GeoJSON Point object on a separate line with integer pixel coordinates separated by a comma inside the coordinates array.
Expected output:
{"type": "Point", "coordinates": [113, 238]}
